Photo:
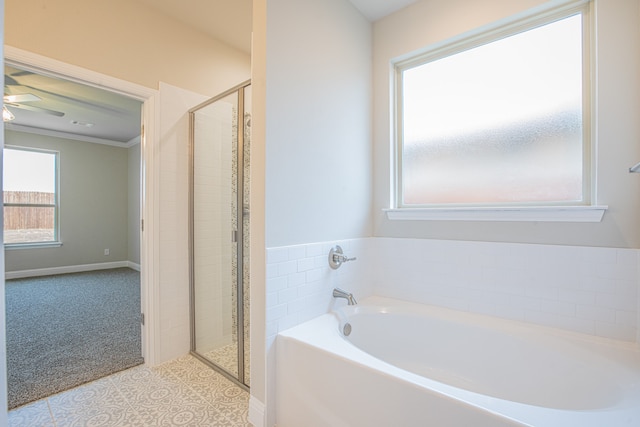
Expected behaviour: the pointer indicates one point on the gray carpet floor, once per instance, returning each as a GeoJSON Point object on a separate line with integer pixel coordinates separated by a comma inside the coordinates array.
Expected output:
{"type": "Point", "coordinates": [69, 329]}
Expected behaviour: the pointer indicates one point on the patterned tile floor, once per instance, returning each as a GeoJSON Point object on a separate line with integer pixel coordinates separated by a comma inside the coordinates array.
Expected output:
{"type": "Point", "coordinates": [183, 392]}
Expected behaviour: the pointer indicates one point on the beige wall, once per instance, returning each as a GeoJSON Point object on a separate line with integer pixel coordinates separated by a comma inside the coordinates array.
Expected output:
{"type": "Point", "coordinates": [617, 125]}
{"type": "Point", "coordinates": [93, 211]}
{"type": "Point", "coordinates": [126, 40]}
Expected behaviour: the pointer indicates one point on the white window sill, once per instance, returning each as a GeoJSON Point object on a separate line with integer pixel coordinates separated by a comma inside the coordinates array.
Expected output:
{"type": "Point", "coordinates": [522, 213]}
{"type": "Point", "coordinates": [14, 246]}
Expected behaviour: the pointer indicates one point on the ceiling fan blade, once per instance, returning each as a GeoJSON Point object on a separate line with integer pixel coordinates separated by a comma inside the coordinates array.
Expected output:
{"type": "Point", "coordinates": [10, 81]}
{"type": "Point", "coordinates": [89, 104]}
{"type": "Point", "coordinates": [22, 73]}
{"type": "Point", "coordinates": [36, 109]}
{"type": "Point", "coordinates": [25, 97]}
{"type": "Point", "coordinates": [75, 100]}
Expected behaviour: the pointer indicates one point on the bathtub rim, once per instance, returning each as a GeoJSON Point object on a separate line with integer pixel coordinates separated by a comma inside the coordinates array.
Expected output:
{"type": "Point", "coordinates": [375, 303]}
{"type": "Point", "coordinates": [323, 334]}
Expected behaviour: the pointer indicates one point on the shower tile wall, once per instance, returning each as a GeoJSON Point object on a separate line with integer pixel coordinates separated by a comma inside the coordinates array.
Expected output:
{"type": "Point", "coordinates": [213, 216]}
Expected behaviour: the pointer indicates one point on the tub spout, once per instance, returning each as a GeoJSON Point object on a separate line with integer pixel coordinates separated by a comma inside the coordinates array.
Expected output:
{"type": "Point", "coordinates": [339, 293]}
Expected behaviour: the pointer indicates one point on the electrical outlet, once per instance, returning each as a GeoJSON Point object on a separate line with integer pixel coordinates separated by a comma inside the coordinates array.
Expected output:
{"type": "Point", "coordinates": [106, 252]}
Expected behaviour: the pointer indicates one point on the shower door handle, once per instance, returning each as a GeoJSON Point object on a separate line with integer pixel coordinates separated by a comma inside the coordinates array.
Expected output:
{"type": "Point", "coordinates": [234, 236]}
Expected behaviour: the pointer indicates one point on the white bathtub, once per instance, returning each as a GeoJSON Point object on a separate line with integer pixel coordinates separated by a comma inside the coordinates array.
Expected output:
{"type": "Point", "coordinates": [407, 364]}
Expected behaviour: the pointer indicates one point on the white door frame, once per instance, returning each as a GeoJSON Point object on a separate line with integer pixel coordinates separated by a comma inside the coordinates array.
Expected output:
{"type": "Point", "coordinates": [149, 174]}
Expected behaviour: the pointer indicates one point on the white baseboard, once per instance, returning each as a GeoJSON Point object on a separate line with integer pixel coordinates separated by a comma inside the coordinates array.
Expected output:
{"type": "Point", "coordinates": [69, 269]}
{"type": "Point", "coordinates": [133, 266]}
{"type": "Point", "coordinates": [256, 412]}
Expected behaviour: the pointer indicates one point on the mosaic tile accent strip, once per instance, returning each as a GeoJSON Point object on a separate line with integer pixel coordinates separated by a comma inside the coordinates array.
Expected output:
{"type": "Point", "coordinates": [183, 392]}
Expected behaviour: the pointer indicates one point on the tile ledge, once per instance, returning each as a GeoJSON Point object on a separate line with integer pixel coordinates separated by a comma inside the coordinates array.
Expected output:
{"type": "Point", "coordinates": [520, 213]}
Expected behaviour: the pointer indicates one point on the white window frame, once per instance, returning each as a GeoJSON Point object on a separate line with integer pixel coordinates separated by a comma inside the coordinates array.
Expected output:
{"type": "Point", "coordinates": [56, 225]}
{"type": "Point", "coordinates": [587, 210]}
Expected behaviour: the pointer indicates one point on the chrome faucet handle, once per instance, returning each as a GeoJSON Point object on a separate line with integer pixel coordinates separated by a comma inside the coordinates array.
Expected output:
{"type": "Point", "coordinates": [342, 258]}
{"type": "Point", "coordinates": [337, 257]}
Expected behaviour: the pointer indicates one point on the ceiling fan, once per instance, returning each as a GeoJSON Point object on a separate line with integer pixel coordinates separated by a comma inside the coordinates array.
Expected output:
{"type": "Point", "coordinates": [21, 100]}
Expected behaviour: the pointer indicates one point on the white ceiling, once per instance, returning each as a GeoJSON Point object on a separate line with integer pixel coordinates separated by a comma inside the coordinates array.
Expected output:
{"type": "Point", "coordinates": [115, 118]}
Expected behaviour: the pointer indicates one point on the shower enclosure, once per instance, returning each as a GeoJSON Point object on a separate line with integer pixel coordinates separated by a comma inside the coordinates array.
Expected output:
{"type": "Point", "coordinates": [219, 232]}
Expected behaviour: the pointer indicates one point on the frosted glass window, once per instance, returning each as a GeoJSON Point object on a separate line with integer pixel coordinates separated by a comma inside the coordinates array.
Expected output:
{"type": "Point", "coordinates": [501, 123]}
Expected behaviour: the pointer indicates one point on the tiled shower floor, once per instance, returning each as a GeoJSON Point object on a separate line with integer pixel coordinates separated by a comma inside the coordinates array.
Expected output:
{"type": "Point", "coordinates": [183, 392]}
{"type": "Point", "coordinates": [226, 357]}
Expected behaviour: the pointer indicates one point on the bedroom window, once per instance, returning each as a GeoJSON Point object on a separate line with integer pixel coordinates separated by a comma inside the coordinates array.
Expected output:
{"type": "Point", "coordinates": [498, 120]}
{"type": "Point", "coordinates": [30, 196]}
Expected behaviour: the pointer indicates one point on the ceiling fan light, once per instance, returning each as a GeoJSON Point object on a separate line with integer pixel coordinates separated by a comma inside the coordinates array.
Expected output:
{"type": "Point", "coordinates": [24, 97]}
{"type": "Point", "coordinates": [7, 115]}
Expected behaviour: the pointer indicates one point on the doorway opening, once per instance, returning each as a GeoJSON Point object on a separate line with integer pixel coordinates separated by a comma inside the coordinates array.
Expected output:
{"type": "Point", "coordinates": [34, 76]}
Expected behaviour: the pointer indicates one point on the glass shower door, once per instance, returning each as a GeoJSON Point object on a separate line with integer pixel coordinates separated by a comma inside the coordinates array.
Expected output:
{"type": "Point", "coordinates": [219, 233]}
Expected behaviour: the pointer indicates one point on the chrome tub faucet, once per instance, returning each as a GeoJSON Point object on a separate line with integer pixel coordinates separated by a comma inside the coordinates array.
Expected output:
{"type": "Point", "coordinates": [339, 293]}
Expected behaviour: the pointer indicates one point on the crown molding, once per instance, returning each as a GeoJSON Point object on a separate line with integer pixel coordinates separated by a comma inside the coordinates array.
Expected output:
{"type": "Point", "coordinates": [72, 136]}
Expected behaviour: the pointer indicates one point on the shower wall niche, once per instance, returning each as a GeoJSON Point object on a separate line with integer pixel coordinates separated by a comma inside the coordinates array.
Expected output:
{"type": "Point", "coordinates": [219, 232]}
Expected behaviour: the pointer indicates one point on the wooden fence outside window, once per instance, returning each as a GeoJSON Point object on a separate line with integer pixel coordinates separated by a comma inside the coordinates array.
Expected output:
{"type": "Point", "coordinates": [29, 210]}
